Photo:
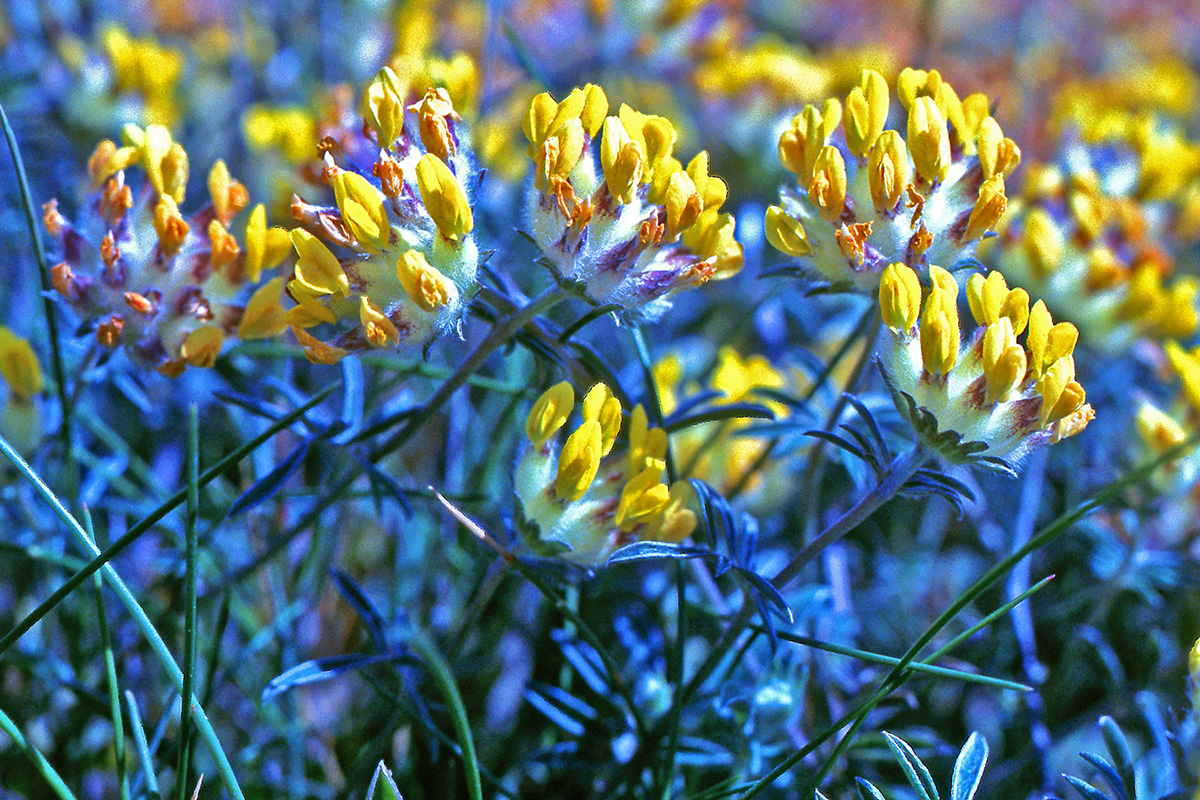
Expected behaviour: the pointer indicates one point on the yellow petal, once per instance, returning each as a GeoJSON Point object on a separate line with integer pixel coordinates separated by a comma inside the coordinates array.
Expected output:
{"type": "Point", "coordinates": [549, 413]}
{"type": "Point", "coordinates": [264, 317]}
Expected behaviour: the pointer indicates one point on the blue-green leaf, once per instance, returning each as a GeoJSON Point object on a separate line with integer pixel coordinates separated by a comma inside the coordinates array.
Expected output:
{"type": "Point", "coordinates": [914, 769]}
{"type": "Point", "coordinates": [968, 768]}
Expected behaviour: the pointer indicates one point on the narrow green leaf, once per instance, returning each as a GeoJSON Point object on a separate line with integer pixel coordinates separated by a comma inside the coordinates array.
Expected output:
{"type": "Point", "coordinates": [914, 769]}
{"type": "Point", "coordinates": [968, 768]}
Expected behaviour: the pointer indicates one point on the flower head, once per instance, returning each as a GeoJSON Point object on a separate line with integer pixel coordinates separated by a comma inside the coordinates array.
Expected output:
{"type": "Point", "coordinates": [868, 196]}
{"type": "Point", "coordinates": [393, 260]}
{"type": "Point", "coordinates": [582, 499]}
{"type": "Point", "coordinates": [1082, 239]}
{"type": "Point", "coordinates": [169, 289]}
{"type": "Point", "coordinates": [989, 399]}
{"type": "Point", "coordinates": [639, 225]}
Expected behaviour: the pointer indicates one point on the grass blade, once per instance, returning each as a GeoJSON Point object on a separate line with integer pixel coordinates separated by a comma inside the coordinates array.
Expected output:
{"type": "Point", "coordinates": [189, 601]}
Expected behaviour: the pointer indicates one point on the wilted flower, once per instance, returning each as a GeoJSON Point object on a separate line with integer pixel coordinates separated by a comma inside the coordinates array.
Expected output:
{"type": "Point", "coordinates": [21, 419]}
{"type": "Point", "coordinates": [640, 227]}
{"type": "Point", "coordinates": [402, 225]}
{"type": "Point", "coordinates": [582, 502]}
{"type": "Point", "coordinates": [168, 289]}
{"type": "Point", "coordinates": [869, 196]}
{"type": "Point", "coordinates": [992, 398]}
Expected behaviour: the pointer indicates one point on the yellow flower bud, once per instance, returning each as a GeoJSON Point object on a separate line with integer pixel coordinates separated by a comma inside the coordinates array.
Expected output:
{"type": "Point", "coordinates": [622, 159]}
{"type": "Point", "coordinates": [536, 124]}
{"type": "Point", "coordinates": [785, 233]}
{"type": "Point", "coordinates": [1157, 431]}
{"type": "Point", "coordinates": [990, 299]}
{"type": "Point", "coordinates": [579, 461]}
{"type": "Point", "coordinates": [659, 136]}
{"type": "Point", "coordinates": [988, 144]}
{"type": "Point", "coordinates": [642, 498]}
{"type": "Point", "coordinates": [228, 196]}
{"type": "Point", "coordinates": [169, 225]}
{"type": "Point", "coordinates": [988, 209]}
{"type": "Point", "coordinates": [928, 141]}
{"type": "Point", "coordinates": [800, 144]}
{"type": "Point", "coordinates": [942, 279]}
{"type": "Point", "coordinates": [1003, 361]}
{"type": "Point", "coordinates": [1187, 365]}
{"type": "Point", "coordinates": [712, 190]}
{"type": "Point", "coordinates": [174, 171]}
{"type": "Point", "coordinates": [202, 346]}
{"type": "Point", "coordinates": [549, 413]}
{"type": "Point", "coordinates": [1061, 393]}
{"type": "Point", "coordinates": [683, 204]}
{"type": "Point", "coordinates": [913, 83]}
{"type": "Point", "coordinates": [362, 209]}
{"type": "Point", "coordinates": [939, 332]}
{"type": "Point", "coordinates": [264, 317]}
{"type": "Point", "coordinates": [317, 351]}
{"type": "Point", "coordinates": [383, 107]}
{"type": "Point", "coordinates": [595, 108]}
{"type": "Point", "coordinates": [674, 523]}
{"type": "Point", "coordinates": [225, 250]}
{"type": "Point", "coordinates": [887, 171]}
{"type": "Point", "coordinates": [444, 198]}
{"type": "Point", "coordinates": [19, 366]}
{"type": "Point", "coordinates": [309, 311]}
{"type": "Point", "coordinates": [432, 114]}
{"type": "Point", "coordinates": [377, 329]}
{"type": "Point", "coordinates": [712, 238]}
{"type": "Point", "coordinates": [899, 297]}
{"type": "Point", "coordinates": [317, 269]}
{"type": "Point", "coordinates": [424, 283]}
{"type": "Point", "coordinates": [827, 190]}
{"type": "Point", "coordinates": [602, 406]}
{"type": "Point", "coordinates": [1043, 242]}
{"type": "Point", "coordinates": [866, 112]}
{"type": "Point", "coordinates": [1048, 343]}
{"type": "Point", "coordinates": [265, 247]}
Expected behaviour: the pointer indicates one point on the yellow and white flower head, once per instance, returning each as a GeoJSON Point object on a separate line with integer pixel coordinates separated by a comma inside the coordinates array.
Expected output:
{"type": "Point", "coordinates": [168, 289]}
{"type": "Point", "coordinates": [21, 417]}
{"type": "Point", "coordinates": [990, 398]}
{"type": "Point", "coordinates": [580, 499]}
{"type": "Point", "coordinates": [1082, 240]}
{"type": "Point", "coordinates": [393, 262]}
{"type": "Point", "coordinates": [868, 196]}
{"type": "Point", "coordinates": [634, 227]}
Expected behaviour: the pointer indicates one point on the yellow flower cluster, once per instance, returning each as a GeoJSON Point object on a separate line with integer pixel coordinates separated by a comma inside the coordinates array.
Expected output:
{"type": "Point", "coordinates": [585, 502]}
{"type": "Point", "coordinates": [1094, 256]}
{"type": "Point", "coordinates": [640, 228]}
{"type": "Point", "coordinates": [411, 260]}
{"type": "Point", "coordinates": [165, 287]}
{"type": "Point", "coordinates": [146, 68]}
{"type": "Point", "coordinates": [991, 398]}
{"type": "Point", "coordinates": [870, 196]}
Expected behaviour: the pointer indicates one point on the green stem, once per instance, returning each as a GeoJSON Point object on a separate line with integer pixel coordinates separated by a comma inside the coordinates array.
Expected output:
{"type": "Point", "coordinates": [110, 671]}
{"type": "Point", "coordinates": [39, 761]}
{"type": "Point", "coordinates": [113, 550]}
{"type": "Point", "coordinates": [444, 679]}
{"type": "Point", "coordinates": [139, 737]}
{"type": "Point", "coordinates": [897, 475]}
{"type": "Point", "coordinates": [56, 359]}
{"type": "Point", "coordinates": [157, 645]}
{"type": "Point", "coordinates": [189, 601]}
